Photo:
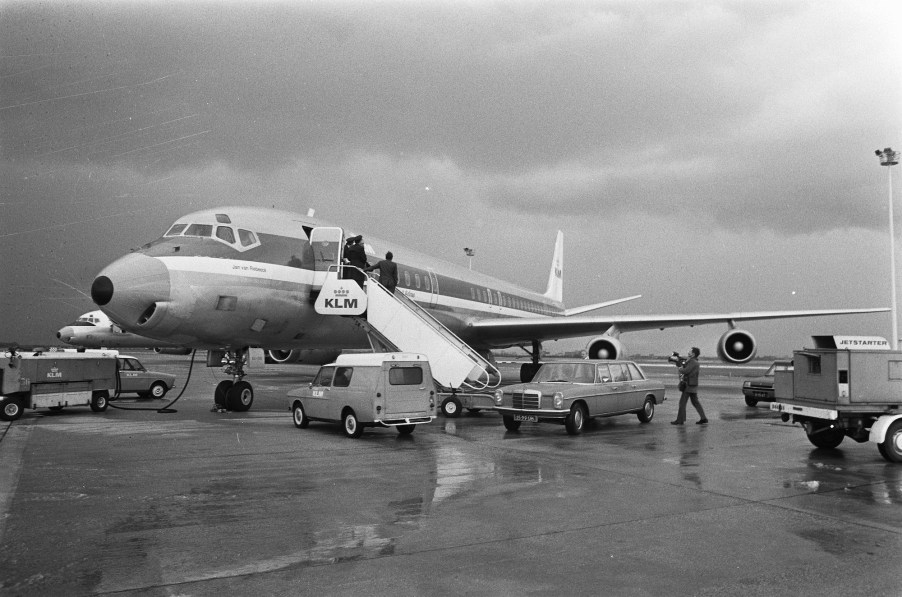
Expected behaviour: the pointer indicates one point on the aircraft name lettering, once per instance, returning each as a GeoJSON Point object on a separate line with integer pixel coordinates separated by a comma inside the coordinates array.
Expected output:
{"type": "Point", "coordinates": [251, 268]}
{"type": "Point", "coordinates": [347, 303]}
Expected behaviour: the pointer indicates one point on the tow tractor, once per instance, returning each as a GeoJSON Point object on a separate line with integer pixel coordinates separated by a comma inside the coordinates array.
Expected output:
{"type": "Point", "coordinates": [55, 380]}
{"type": "Point", "coordinates": [847, 386]}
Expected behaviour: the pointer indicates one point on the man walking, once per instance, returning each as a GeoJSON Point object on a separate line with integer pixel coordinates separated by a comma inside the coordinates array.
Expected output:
{"type": "Point", "coordinates": [689, 373]}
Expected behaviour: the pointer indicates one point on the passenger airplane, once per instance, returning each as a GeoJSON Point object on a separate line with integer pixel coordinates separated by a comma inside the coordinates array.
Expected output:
{"type": "Point", "coordinates": [235, 278]}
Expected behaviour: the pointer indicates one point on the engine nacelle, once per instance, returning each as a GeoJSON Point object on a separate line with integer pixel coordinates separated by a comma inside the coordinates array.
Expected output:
{"type": "Point", "coordinates": [174, 350]}
{"type": "Point", "coordinates": [736, 346]}
{"type": "Point", "coordinates": [605, 347]}
{"type": "Point", "coordinates": [282, 356]}
{"type": "Point", "coordinates": [310, 356]}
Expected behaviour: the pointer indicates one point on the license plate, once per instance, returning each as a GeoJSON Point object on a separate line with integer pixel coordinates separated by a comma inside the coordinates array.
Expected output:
{"type": "Point", "coordinates": [760, 394]}
{"type": "Point", "coordinates": [528, 418]}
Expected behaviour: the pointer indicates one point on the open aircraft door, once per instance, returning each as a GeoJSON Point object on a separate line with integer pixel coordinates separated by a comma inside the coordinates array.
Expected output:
{"type": "Point", "coordinates": [327, 243]}
{"type": "Point", "coordinates": [433, 287]}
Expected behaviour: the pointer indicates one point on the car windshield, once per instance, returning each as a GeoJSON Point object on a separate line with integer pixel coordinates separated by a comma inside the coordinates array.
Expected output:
{"type": "Point", "coordinates": [566, 372]}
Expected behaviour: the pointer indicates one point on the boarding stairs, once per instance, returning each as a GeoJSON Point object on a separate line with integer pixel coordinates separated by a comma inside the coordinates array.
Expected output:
{"type": "Point", "coordinates": [394, 322]}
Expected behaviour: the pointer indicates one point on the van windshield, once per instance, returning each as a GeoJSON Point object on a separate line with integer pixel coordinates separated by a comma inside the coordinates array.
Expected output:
{"type": "Point", "coordinates": [324, 377]}
{"type": "Point", "coordinates": [405, 376]}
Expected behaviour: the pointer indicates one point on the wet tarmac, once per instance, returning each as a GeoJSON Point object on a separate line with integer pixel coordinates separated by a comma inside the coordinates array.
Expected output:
{"type": "Point", "coordinates": [200, 503]}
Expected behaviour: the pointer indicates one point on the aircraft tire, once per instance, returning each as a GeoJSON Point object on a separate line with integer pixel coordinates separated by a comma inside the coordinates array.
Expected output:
{"type": "Point", "coordinates": [240, 397]}
{"type": "Point", "coordinates": [221, 394]}
{"type": "Point", "coordinates": [451, 407]}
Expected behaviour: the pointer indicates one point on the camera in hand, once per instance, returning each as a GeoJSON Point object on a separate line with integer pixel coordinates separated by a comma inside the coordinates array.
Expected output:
{"type": "Point", "coordinates": [676, 359]}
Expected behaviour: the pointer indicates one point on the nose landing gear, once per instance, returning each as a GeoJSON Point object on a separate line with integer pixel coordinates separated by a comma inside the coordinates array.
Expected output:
{"type": "Point", "coordinates": [234, 394]}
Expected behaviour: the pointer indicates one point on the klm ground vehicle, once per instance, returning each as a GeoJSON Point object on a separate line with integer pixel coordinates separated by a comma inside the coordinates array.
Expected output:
{"type": "Point", "coordinates": [135, 379]}
{"type": "Point", "coordinates": [55, 380]}
{"type": "Point", "coordinates": [570, 393]}
{"type": "Point", "coordinates": [847, 392]}
{"type": "Point", "coordinates": [392, 389]}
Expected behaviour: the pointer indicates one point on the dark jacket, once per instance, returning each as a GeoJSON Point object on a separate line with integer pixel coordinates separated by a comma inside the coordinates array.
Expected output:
{"type": "Point", "coordinates": [388, 273]}
{"type": "Point", "coordinates": [690, 371]}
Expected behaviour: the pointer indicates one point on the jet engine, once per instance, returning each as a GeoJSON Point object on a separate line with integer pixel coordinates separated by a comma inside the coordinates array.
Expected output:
{"type": "Point", "coordinates": [736, 346]}
{"type": "Point", "coordinates": [604, 347]}
{"type": "Point", "coordinates": [173, 350]}
{"type": "Point", "coordinates": [282, 356]}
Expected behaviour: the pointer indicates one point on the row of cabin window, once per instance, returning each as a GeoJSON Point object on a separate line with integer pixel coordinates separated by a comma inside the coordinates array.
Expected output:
{"type": "Point", "coordinates": [483, 295]}
{"type": "Point", "coordinates": [224, 233]}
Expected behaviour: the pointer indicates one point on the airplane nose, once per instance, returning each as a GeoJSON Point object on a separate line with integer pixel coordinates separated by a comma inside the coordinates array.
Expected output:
{"type": "Point", "coordinates": [129, 289]}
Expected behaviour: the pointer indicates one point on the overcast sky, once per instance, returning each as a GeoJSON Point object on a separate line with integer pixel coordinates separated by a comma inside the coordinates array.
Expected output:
{"type": "Point", "coordinates": [710, 156]}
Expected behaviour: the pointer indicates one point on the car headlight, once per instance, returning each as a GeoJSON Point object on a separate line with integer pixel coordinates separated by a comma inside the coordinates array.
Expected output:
{"type": "Point", "coordinates": [747, 384]}
{"type": "Point", "coordinates": [558, 400]}
{"type": "Point", "coordinates": [498, 395]}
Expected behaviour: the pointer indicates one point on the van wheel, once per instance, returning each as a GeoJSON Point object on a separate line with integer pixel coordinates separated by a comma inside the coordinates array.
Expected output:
{"type": "Point", "coordinates": [509, 423]}
{"type": "Point", "coordinates": [158, 389]}
{"type": "Point", "coordinates": [451, 407]}
{"type": "Point", "coordinates": [12, 409]}
{"type": "Point", "coordinates": [240, 397]}
{"type": "Point", "coordinates": [891, 447]}
{"type": "Point", "coordinates": [300, 417]}
{"type": "Point", "coordinates": [648, 411]}
{"type": "Point", "coordinates": [406, 429]}
{"type": "Point", "coordinates": [576, 420]}
{"type": "Point", "coordinates": [99, 401]}
{"type": "Point", "coordinates": [351, 425]}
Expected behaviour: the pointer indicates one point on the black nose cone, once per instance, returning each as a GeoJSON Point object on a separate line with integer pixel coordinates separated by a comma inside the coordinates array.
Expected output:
{"type": "Point", "coordinates": [102, 290]}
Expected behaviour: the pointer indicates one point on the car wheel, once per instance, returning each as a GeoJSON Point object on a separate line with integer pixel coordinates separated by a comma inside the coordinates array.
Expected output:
{"type": "Point", "coordinates": [451, 407]}
{"type": "Point", "coordinates": [406, 429]}
{"type": "Point", "coordinates": [648, 410]}
{"type": "Point", "coordinates": [751, 401]}
{"type": "Point", "coordinates": [509, 423]}
{"type": "Point", "coordinates": [158, 389]}
{"type": "Point", "coordinates": [891, 446]}
{"type": "Point", "coordinates": [12, 409]}
{"type": "Point", "coordinates": [826, 438]}
{"type": "Point", "coordinates": [351, 425]}
{"type": "Point", "coordinates": [300, 417]}
{"type": "Point", "coordinates": [99, 401]}
{"type": "Point", "coordinates": [240, 397]}
{"type": "Point", "coordinates": [576, 420]}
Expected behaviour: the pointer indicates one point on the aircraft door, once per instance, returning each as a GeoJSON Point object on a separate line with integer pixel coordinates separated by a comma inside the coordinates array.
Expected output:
{"type": "Point", "coordinates": [433, 288]}
{"type": "Point", "coordinates": [327, 243]}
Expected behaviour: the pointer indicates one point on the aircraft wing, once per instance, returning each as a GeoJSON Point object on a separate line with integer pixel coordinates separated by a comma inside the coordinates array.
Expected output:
{"type": "Point", "coordinates": [515, 330]}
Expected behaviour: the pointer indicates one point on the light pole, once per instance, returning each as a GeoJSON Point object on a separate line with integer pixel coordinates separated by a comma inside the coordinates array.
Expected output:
{"type": "Point", "coordinates": [890, 158]}
{"type": "Point", "coordinates": [470, 252]}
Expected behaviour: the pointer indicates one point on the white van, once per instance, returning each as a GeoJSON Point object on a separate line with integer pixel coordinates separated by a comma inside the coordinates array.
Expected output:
{"type": "Point", "coordinates": [391, 389]}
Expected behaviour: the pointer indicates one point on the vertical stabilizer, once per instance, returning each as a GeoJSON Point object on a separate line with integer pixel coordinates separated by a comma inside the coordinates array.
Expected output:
{"type": "Point", "coordinates": [555, 290]}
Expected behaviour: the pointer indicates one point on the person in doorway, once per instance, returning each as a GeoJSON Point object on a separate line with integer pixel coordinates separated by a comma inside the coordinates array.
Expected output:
{"type": "Point", "coordinates": [689, 372]}
{"type": "Point", "coordinates": [355, 253]}
{"type": "Point", "coordinates": [388, 272]}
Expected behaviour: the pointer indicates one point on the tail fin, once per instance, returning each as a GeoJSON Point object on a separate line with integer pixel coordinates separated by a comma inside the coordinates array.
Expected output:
{"type": "Point", "coordinates": [555, 290]}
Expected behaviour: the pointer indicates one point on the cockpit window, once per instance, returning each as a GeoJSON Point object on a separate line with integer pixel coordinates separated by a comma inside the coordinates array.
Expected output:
{"type": "Point", "coordinates": [247, 237]}
{"type": "Point", "coordinates": [175, 230]}
{"type": "Point", "coordinates": [225, 233]}
{"type": "Point", "coordinates": [199, 230]}
{"type": "Point", "coordinates": [223, 219]}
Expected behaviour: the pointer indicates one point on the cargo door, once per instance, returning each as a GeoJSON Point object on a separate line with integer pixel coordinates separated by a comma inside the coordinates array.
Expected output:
{"type": "Point", "coordinates": [327, 243]}
{"type": "Point", "coordinates": [407, 388]}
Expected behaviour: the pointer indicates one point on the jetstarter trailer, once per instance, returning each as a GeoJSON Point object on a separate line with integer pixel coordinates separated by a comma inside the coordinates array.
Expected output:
{"type": "Point", "coordinates": [55, 380]}
{"type": "Point", "coordinates": [835, 393]}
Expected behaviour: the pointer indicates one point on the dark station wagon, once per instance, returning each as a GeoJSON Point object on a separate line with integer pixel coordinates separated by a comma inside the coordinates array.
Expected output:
{"type": "Point", "coordinates": [761, 388]}
{"type": "Point", "coordinates": [571, 392]}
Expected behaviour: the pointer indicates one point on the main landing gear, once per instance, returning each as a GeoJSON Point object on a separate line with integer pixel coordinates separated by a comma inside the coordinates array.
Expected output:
{"type": "Point", "coordinates": [234, 394]}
